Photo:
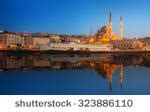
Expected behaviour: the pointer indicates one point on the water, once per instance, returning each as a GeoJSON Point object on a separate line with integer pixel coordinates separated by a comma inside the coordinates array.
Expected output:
{"type": "Point", "coordinates": [67, 74]}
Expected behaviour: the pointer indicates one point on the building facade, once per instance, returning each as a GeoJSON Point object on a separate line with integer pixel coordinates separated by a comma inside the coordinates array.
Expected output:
{"type": "Point", "coordinates": [127, 44]}
{"type": "Point", "coordinates": [2, 41]}
{"type": "Point", "coordinates": [33, 42]}
{"type": "Point", "coordinates": [11, 40]}
{"type": "Point", "coordinates": [146, 42]}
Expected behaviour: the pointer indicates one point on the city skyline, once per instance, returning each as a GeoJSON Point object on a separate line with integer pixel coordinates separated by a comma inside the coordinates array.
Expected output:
{"type": "Point", "coordinates": [75, 17]}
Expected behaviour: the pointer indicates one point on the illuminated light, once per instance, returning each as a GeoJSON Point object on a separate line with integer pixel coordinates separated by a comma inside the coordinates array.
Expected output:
{"type": "Point", "coordinates": [1, 46]}
{"type": "Point", "coordinates": [91, 40]}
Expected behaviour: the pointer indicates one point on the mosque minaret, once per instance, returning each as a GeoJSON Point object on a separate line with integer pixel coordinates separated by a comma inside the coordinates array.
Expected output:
{"type": "Point", "coordinates": [121, 28]}
{"type": "Point", "coordinates": [110, 20]}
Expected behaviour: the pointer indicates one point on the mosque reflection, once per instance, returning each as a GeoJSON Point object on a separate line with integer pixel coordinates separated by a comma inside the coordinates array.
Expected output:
{"type": "Point", "coordinates": [105, 65]}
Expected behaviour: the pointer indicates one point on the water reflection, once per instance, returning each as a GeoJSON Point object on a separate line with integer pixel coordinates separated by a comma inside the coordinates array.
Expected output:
{"type": "Point", "coordinates": [105, 65]}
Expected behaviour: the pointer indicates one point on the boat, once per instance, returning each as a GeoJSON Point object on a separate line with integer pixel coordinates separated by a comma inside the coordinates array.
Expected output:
{"type": "Point", "coordinates": [75, 47]}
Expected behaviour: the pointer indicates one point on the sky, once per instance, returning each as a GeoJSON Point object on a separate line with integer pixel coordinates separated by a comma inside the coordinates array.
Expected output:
{"type": "Point", "coordinates": [75, 16]}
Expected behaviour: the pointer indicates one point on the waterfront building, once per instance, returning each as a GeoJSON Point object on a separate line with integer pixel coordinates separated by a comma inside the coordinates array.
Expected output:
{"type": "Point", "coordinates": [146, 42]}
{"type": "Point", "coordinates": [28, 42]}
{"type": "Point", "coordinates": [40, 40]}
{"type": "Point", "coordinates": [55, 38]}
{"type": "Point", "coordinates": [34, 42]}
{"type": "Point", "coordinates": [2, 41]}
{"type": "Point", "coordinates": [127, 44]}
{"type": "Point", "coordinates": [11, 40]}
{"type": "Point", "coordinates": [75, 39]}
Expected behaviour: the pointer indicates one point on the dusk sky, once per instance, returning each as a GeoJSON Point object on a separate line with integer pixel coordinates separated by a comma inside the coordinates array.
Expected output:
{"type": "Point", "coordinates": [75, 16]}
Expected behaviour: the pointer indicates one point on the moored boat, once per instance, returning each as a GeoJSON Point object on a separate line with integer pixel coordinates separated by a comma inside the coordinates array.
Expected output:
{"type": "Point", "coordinates": [75, 47]}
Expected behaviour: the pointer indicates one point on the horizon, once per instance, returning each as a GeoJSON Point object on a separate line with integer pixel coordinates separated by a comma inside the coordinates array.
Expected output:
{"type": "Point", "coordinates": [75, 17]}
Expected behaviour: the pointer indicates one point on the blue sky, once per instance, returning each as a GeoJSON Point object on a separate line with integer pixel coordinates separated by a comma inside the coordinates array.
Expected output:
{"type": "Point", "coordinates": [75, 16]}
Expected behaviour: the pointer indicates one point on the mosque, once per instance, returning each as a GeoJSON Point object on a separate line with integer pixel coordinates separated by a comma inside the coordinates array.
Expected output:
{"type": "Point", "coordinates": [105, 35]}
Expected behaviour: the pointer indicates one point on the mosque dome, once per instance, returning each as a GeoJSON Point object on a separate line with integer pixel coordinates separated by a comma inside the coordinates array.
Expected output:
{"type": "Point", "coordinates": [104, 30]}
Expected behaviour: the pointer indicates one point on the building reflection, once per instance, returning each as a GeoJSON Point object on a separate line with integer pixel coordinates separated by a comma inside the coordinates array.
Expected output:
{"type": "Point", "coordinates": [104, 65]}
{"type": "Point", "coordinates": [107, 70]}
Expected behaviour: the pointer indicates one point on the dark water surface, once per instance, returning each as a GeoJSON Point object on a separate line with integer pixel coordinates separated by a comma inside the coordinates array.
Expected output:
{"type": "Point", "coordinates": [74, 74]}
